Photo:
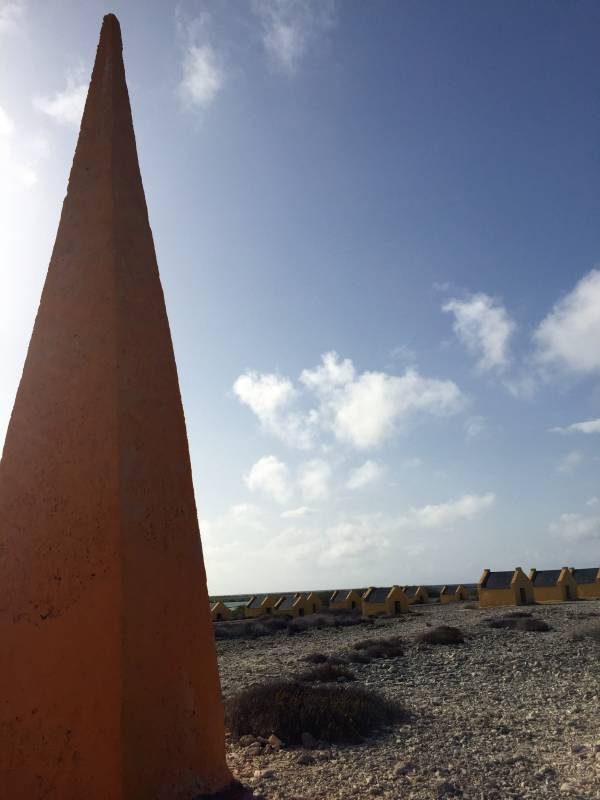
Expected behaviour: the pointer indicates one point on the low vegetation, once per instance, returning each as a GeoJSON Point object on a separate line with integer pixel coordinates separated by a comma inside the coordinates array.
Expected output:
{"type": "Point", "coordinates": [590, 630]}
{"type": "Point", "coordinates": [288, 709]}
{"type": "Point", "coordinates": [516, 621]}
{"type": "Point", "coordinates": [392, 647]}
{"type": "Point", "coordinates": [326, 673]}
{"type": "Point", "coordinates": [267, 626]}
{"type": "Point", "coordinates": [442, 634]}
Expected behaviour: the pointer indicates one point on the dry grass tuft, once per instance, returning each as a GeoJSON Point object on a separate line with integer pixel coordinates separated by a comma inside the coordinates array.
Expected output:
{"type": "Point", "coordinates": [519, 623]}
{"type": "Point", "coordinates": [326, 673]}
{"type": "Point", "coordinates": [442, 634]}
{"type": "Point", "coordinates": [589, 631]}
{"type": "Point", "coordinates": [330, 713]}
{"type": "Point", "coordinates": [392, 647]}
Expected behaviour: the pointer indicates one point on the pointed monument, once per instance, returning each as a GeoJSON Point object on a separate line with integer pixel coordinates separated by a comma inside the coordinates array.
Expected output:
{"type": "Point", "coordinates": [108, 672]}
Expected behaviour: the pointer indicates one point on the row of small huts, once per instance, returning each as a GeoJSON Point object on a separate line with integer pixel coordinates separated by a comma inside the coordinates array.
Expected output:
{"type": "Point", "coordinates": [512, 587]}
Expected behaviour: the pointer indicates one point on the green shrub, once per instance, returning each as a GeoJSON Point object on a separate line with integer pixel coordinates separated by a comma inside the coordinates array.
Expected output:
{"type": "Point", "coordinates": [331, 713]}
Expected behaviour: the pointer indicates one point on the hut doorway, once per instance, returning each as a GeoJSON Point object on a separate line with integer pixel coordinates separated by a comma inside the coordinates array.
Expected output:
{"type": "Point", "coordinates": [522, 596]}
{"type": "Point", "coordinates": [397, 607]}
{"type": "Point", "coordinates": [568, 593]}
{"type": "Point", "coordinates": [353, 605]}
{"type": "Point", "coordinates": [300, 612]}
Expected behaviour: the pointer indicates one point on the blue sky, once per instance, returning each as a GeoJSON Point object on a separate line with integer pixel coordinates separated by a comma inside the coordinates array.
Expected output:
{"type": "Point", "coordinates": [377, 230]}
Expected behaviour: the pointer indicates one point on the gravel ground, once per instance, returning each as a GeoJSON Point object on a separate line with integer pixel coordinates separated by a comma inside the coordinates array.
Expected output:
{"type": "Point", "coordinates": [509, 714]}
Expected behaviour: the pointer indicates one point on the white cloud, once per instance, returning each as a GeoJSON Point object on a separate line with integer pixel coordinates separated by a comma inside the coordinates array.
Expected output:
{"type": "Point", "coordinates": [296, 513]}
{"type": "Point", "coordinates": [66, 107]}
{"type": "Point", "coordinates": [290, 27]}
{"type": "Point", "coordinates": [270, 476]}
{"type": "Point", "coordinates": [369, 410]}
{"type": "Point", "coordinates": [364, 538]}
{"type": "Point", "coordinates": [589, 426]}
{"type": "Point", "coordinates": [370, 472]}
{"type": "Point", "coordinates": [329, 375]}
{"type": "Point", "coordinates": [444, 515]}
{"type": "Point", "coordinates": [269, 397]}
{"type": "Point", "coordinates": [593, 501]}
{"type": "Point", "coordinates": [570, 462]}
{"type": "Point", "coordinates": [362, 410]}
{"type": "Point", "coordinates": [568, 337]}
{"type": "Point", "coordinates": [11, 14]}
{"type": "Point", "coordinates": [475, 427]}
{"type": "Point", "coordinates": [523, 385]}
{"type": "Point", "coordinates": [203, 75]}
{"type": "Point", "coordinates": [314, 477]}
{"type": "Point", "coordinates": [358, 538]}
{"type": "Point", "coordinates": [484, 327]}
{"type": "Point", "coordinates": [576, 527]}
{"type": "Point", "coordinates": [19, 156]}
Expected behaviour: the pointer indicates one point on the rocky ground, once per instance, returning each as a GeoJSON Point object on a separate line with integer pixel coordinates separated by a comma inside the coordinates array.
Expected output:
{"type": "Point", "coordinates": [509, 714]}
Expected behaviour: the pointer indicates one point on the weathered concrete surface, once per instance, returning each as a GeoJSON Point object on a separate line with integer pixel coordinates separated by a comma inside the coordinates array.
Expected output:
{"type": "Point", "coordinates": [108, 675]}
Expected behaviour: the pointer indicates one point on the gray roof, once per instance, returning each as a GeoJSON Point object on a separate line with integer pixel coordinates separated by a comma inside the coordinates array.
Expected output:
{"type": "Point", "coordinates": [256, 601]}
{"type": "Point", "coordinates": [499, 580]}
{"type": "Point", "coordinates": [451, 588]}
{"type": "Point", "coordinates": [586, 575]}
{"type": "Point", "coordinates": [287, 601]}
{"type": "Point", "coordinates": [545, 577]}
{"type": "Point", "coordinates": [340, 594]}
{"type": "Point", "coordinates": [378, 595]}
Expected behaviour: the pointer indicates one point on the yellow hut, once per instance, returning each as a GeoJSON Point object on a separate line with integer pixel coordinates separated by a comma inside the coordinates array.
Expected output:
{"type": "Point", "coordinates": [299, 604]}
{"type": "Point", "coordinates": [416, 594]}
{"type": "Point", "coordinates": [219, 612]}
{"type": "Point", "coordinates": [345, 600]}
{"type": "Point", "coordinates": [504, 588]}
{"type": "Point", "coordinates": [552, 585]}
{"type": "Point", "coordinates": [453, 592]}
{"type": "Point", "coordinates": [384, 600]}
{"type": "Point", "coordinates": [260, 605]}
{"type": "Point", "coordinates": [587, 581]}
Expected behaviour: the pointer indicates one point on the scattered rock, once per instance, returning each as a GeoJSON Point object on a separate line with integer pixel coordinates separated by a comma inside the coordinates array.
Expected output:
{"type": "Point", "coordinates": [496, 719]}
{"type": "Point", "coordinates": [305, 758]}
{"type": "Point", "coordinates": [275, 742]}
{"type": "Point", "coordinates": [263, 774]}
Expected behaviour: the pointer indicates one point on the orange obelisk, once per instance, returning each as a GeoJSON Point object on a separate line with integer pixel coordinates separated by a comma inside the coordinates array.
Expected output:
{"type": "Point", "coordinates": [109, 688]}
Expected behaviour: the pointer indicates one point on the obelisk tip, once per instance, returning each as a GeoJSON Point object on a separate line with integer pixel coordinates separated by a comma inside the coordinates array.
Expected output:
{"type": "Point", "coordinates": [111, 30]}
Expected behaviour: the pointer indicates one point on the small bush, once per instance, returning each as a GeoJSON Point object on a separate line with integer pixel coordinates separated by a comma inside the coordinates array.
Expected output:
{"type": "Point", "coordinates": [274, 624]}
{"type": "Point", "coordinates": [471, 606]}
{"type": "Point", "coordinates": [520, 624]}
{"type": "Point", "coordinates": [316, 658]}
{"type": "Point", "coordinates": [326, 673]}
{"type": "Point", "coordinates": [589, 631]}
{"type": "Point", "coordinates": [518, 614]}
{"type": "Point", "coordinates": [380, 648]}
{"type": "Point", "coordinates": [288, 709]}
{"type": "Point", "coordinates": [356, 657]}
{"type": "Point", "coordinates": [442, 634]}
